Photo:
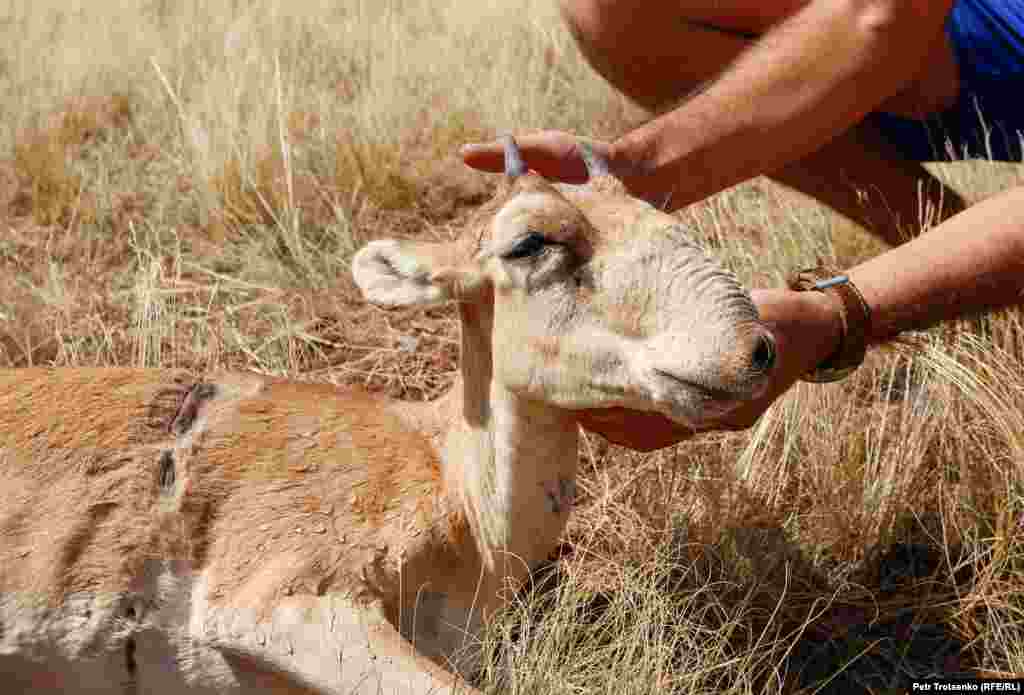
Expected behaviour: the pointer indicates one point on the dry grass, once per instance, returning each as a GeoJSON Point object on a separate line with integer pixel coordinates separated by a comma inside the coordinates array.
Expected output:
{"type": "Point", "coordinates": [185, 187]}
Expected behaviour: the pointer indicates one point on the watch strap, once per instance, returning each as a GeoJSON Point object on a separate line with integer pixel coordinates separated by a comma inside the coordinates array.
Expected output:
{"type": "Point", "coordinates": [855, 321]}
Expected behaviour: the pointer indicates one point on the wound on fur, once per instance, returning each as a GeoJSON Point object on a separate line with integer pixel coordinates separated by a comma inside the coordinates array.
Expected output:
{"type": "Point", "coordinates": [186, 416]}
{"type": "Point", "coordinates": [129, 656]}
{"type": "Point", "coordinates": [166, 475]}
{"type": "Point", "coordinates": [561, 495]}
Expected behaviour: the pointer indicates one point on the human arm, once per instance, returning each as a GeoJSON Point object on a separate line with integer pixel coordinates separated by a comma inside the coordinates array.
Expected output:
{"type": "Point", "coordinates": [805, 81]}
{"type": "Point", "coordinates": [790, 92]}
{"type": "Point", "coordinates": [973, 262]}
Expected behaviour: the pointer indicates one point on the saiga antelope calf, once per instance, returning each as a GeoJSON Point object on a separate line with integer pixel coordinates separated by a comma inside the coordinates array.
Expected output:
{"type": "Point", "coordinates": [165, 534]}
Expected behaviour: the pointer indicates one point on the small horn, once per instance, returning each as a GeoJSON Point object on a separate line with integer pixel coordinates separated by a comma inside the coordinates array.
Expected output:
{"type": "Point", "coordinates": [596, 164]}
{"type": "Point", "coordinates": [514, 164]}
{"type": "Point", "coordinates": [599, 173]}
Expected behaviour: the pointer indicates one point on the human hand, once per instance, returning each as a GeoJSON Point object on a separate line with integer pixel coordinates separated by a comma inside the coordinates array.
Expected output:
{"type": "Point", "coordinates": [556, 156]}
{"type": "Point", "coordinates": [806, 327]}
{"type": "Point", "coordinates": [552, 153]}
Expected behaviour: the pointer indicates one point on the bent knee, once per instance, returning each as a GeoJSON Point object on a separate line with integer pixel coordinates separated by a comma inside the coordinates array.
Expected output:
{"type": "Point", "coordinates": [593, 22]}
{"type": "Point", "coordinates": [609, 33]}
{"type": "Point", "coordinates": [594, 19]}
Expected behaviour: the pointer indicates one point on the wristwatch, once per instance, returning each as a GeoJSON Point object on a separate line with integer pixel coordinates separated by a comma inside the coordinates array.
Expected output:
{"type": "Point", "coordinates": [855, 322]}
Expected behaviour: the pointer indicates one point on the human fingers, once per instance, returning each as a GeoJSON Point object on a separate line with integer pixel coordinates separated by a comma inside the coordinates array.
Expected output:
{"type": "Point", "coordinates": [634, 429]}
{"type": "Point", "coordinates": [551, 153]}
{"type": "Point", "coordinates": [805, 328]}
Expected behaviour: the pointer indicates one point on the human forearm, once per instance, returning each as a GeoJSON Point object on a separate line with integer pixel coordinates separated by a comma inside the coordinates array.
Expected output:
{"type": "Point", "coordinates": [795, 89]}
{"type": "Point", "coordinates": [971, 263]}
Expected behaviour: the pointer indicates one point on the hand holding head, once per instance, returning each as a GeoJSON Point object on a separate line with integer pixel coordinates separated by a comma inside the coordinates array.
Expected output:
{"type": "Point", "coordinates": [805, 326]}
{"type": "Point", "coordinates": [553, 154]}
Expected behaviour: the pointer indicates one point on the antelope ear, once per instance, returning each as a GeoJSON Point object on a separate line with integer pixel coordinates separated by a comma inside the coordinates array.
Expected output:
{"type": "Point", "coordinates": [407, 273]}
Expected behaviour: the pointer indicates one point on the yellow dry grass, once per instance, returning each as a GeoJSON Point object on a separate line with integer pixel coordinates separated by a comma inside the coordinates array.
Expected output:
{"type": "Point", "coordinates": [183, 184]}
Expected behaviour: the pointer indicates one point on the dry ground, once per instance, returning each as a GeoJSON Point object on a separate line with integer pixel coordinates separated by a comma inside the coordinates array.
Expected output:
{"type": "Point", "coordinates": [183, 184]}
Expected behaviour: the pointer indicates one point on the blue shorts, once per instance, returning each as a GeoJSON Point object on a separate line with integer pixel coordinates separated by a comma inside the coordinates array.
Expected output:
{"type": "Point", "coordinates": [988, 117]}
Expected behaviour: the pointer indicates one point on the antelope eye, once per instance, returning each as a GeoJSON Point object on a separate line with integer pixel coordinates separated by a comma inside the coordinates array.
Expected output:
{"type": "Point", "coordinates": [530, 245]}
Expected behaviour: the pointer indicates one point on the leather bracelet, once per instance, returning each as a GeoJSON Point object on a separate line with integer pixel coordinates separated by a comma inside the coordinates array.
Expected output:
{"type": "Point", "coordinates": [855, 322]}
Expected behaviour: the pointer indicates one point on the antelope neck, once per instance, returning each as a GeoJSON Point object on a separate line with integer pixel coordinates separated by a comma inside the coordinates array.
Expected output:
{"type": "Point", "coordinates": [513, 476]}
{"type": "Point", "coordinates": [509, 462]}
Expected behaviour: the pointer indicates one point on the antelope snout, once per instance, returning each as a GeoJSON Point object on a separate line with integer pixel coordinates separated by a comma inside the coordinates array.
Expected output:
{"type": "Point", "coordinates": [730, 370]}
{"type": "Point", "coordinates": [745, 363]}
{"type": "Point", "coordinates": [760, 352]}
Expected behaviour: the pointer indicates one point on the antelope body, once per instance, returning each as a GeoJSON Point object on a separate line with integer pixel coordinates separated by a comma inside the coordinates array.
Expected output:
{"type": "Point", "coordinates": [161, 533]}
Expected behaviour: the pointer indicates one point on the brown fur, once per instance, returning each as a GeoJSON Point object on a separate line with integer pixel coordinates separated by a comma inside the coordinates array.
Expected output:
{"type": "Point", "coordinates": [247, 513]}
{"type": "Point", "coordinates": [335, 513]}
{"type": "Point", "coordinates": [77, 463]}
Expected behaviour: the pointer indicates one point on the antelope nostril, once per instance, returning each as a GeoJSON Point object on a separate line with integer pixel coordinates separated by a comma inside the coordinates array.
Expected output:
{"type": "Point", "coordinates": [763, 358]}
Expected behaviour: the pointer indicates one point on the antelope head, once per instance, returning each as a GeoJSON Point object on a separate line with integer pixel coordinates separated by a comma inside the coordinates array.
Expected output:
{"type": "Point", "coordinates": [585, 298]}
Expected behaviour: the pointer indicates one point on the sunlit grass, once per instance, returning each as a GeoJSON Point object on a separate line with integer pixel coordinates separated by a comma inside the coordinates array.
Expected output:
{"type": "Point", "coordinates": [185, 186]}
